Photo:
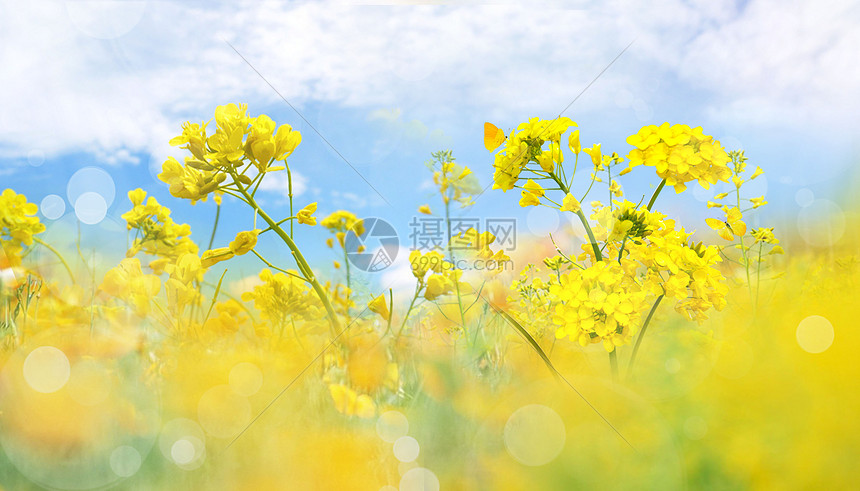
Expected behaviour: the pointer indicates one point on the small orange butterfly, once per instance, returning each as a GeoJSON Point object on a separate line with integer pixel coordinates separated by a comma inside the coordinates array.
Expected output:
{"type": "Point", "coordinates": [493, 136]}
{"type": "Point", "coordinates": [731, 227]}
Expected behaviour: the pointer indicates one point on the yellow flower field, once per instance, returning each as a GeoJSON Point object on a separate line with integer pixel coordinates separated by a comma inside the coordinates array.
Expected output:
{"type": "Point", "coordinates": [630, 351]}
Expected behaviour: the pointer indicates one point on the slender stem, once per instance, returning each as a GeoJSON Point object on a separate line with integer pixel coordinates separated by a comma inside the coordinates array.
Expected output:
{"type": "Point", "coordinates": [237, 300]}
{"type": "Point", "coordinates": [613, 364]}
{"type": "Point", "coordinates": [411, 304]}
{"type": "Point", "coordinates": [642, 335]}
{"type": "Point", "coordinates": [758, 273]}
{"type": "Point", "coordinates": [744, 248]}
{"type": "Point", "coordinates": [621, 249]}
{"type": "Point", "coordinates": [656, 193]}
{"type": "Point", "coordinates": [267, 263]}
{"type": "Point", "coordinates": [609, 178]}
{"type": "Point", "coordinates": [348, 281]}
{"type": "Point", "coordinates": [598, 255]}
{"type": "Point", "coordinates": [590, 185]}
{"type": "Point", "coordinates": [56, 253]}
{"type": "Point", "coordinates": [390, 309]}
{"type": "Point", "coordinates": [453, 263]}
{"type": "Point", "coordinates": [215, 226]}
{"type": "Point", "coordinates": [300, 259]}
{"type": "Point", "coordinates": [290, 194]}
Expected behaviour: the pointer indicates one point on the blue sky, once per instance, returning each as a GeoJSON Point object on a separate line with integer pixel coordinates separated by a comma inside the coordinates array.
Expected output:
{"type": "Point", "coordinates": [107, 84]}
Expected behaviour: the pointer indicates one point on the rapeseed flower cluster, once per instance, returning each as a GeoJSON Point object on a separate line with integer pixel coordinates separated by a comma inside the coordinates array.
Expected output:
{"type": "Point", "coordinates": [282, 298]}
{"type": "Point", "coordinates": [455, 182]}
{"type": "Point", "coordinates": [634, 257]}
{"type": "Point", "coordinates": [525, 145]}
{"type": "Point", "coordinates": [598, 304]}
{"type": "Point", "coordinates": [239, 140]}
{"type": "Point", "coordinates": [680, 154]}
{"type": "Point", "coordinates": [155, 232]}
{"type": "Point", "coordinates": [18, 224]}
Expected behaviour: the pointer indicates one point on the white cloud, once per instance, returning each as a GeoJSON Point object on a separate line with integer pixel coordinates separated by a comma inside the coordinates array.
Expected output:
{"type": "Point", "coordinates": [246, 284]}
{"type": "Point", "coordinates": [399, 276]}
{"type": "Point", "coordinates": [116, 79]}
{"type": "Point", "coordinates": [763, 61]}
{"type": "Point", "coordinates": [348, 200]}
{"type": "Point", "coordinates": [278, 182]}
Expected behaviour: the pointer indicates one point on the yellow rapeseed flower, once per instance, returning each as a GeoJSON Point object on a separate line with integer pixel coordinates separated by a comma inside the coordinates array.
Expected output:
{"type": "Point", "coordinates": [379, 306]}
{"type": "Point", "coordinates": [244, 242]}
{"type": "Point", "coordinates": [570, 203]}
{"type": "Point", "coordinates": [531, 194]}
{"type": "Point", "coordinates": [305, 215]}
{"type": "Point", "coordinates": [17, 224]}
{"type": "Point", "coordinates": [680, 154]}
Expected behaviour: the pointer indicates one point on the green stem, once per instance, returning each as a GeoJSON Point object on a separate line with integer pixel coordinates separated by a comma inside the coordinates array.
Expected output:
{"type": "Point", "coordinates": [348, 281]}
{"type": "Point", "coordinates": [598, 255]}
{"type": "Point", "coordinates": [621, 249]}
{"type": "Point", "coordinates": [214, 226]}
{"type": "Point", "coordinates": [300, 259]}
{"type": "Point", "coordinates": [642, 335]}
{"type": "Point", "coordinates": [758, 273]}
{"type": "Point", "coordinates": [288, 273]}
{"type": "Point", "coordinates": [744, 248]}
{"type": "Point", "coordinates": [390, 309]}
{"type": "Point", "coordinates": [656, 193]}
{"type": "Point", "coordinates": [453, 264]}
{"type": "Point", "coordinates": [613, 364]}
{"type": "Point", "coordinates": [56, 253]}
{"type": "Point", "coordinates": [290, 194]}
{"type": "Point", "coordinates": [409, 310]}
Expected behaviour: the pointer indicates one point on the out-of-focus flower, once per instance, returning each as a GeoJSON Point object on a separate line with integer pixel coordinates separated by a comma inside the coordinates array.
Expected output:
{"type": "Point", "coordinates": [379, 306]}
{"type": "Point", "coordinates": [282, 297]}
{"type": "Point", "coordinates": [127, 282]}
{"type": "Point", "coordinates": [350, 403]}
{"type": "Point", "coordinates": [17, 225]}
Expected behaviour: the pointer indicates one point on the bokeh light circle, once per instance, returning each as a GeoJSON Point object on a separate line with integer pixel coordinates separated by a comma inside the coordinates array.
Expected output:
{"type": "Point", "coordinates": [91, 180]}
{"type": "Point", "coordinates": [36, 158]}
{"type": "Point", "coordinates": [46, 369]}
{"type": "Point", "coordinates": [175, 430]}
{"type": "Point", "coordinates": [815, 334]}
{"type": "Point", "coordinates": [90, 208]}
{"type": "Point", "coordinates": [419, 479]}
{"type": "Point", "coordinates": [542, 220]}
{"type": "Point", "coordinates": [105, 19]}
{"type": "Point", "coordinates": [673, 365]}
{"type": "Point", "coordinates": [642, 110]}
{"type": "Point", "coordinates": [821, 223]}
{"type": "Point", "coordinates": [182, 452]}
{"type": "Point", "coordinates": [534, 435]}
{"type": "Point", "coordinates": [406, 449]}
{"type": "Point", "coordinates": [52, 207]}
{"type": "Point", "coordinates": [392, 425]}
{"type": "Point", "coordinates": [245, 379]}
{"type": "Point", "coordinates": [804, 197]}
{"type": "Point", "coordinates": [75, 407]}
{"type": "Point", "coordinates": [125, 461]}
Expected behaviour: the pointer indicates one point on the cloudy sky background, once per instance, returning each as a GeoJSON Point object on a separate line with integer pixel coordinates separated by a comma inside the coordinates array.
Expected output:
{"type": "Point", "coordinates": [106, 84]}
